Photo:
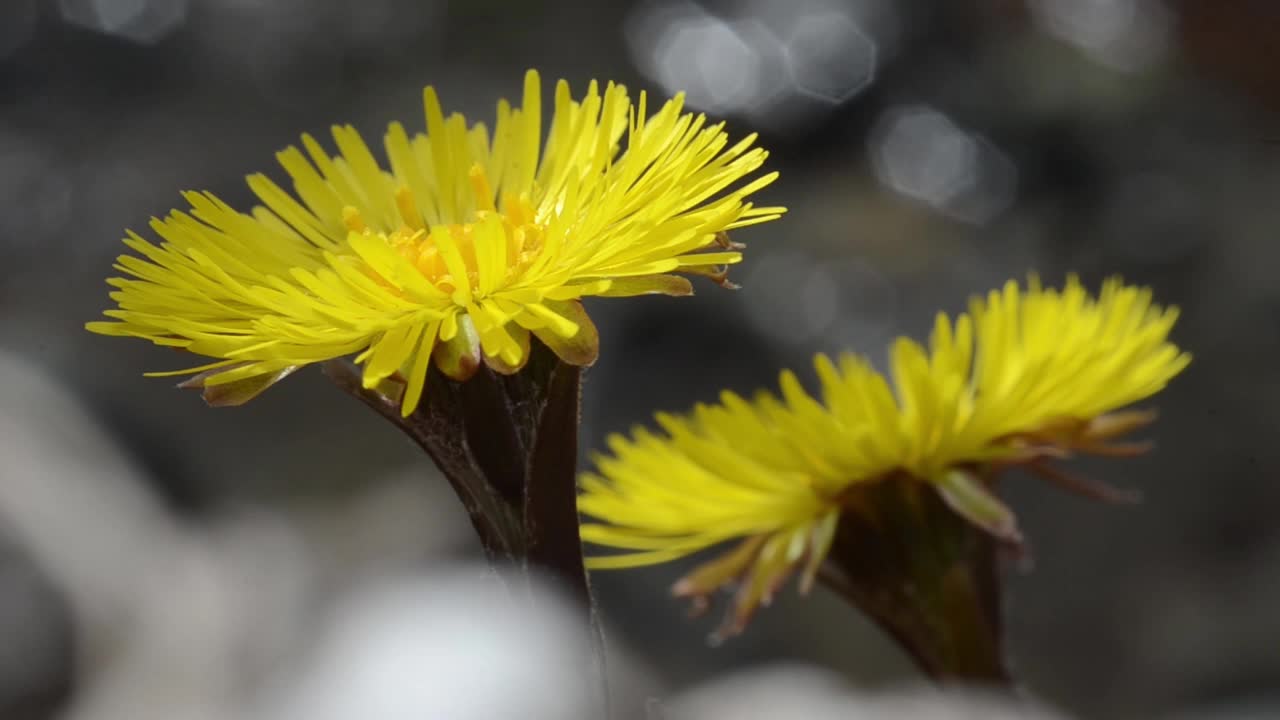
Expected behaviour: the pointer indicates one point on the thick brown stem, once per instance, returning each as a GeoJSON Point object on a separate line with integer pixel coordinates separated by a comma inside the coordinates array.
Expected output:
{"type": "Point", "coordinates": [508, 444]}
{"type": "Point", "coordinates": [925, 575]}
{"type": "Point", "coordinates": [438, 430]}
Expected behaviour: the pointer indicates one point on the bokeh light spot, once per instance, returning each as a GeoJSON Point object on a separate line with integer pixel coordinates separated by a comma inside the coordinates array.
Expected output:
{"type": "Point", "coordinates": [830, 56]}
{"type": "Point", "coordinates": [1128, 35]}
{"type": "Point", "coordinates": [141, 21]}
{"type": "Point", "coordinates": [920, 153]}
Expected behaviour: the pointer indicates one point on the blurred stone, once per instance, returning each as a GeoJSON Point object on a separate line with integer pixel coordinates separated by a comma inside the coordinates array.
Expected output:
{"type": "Point", "coordinates": [456, 644]}
{"type": "Point", "coordinates": [36, 660]}
{"type": "Point", "coordinates": [74, 501]}
{"type": "Point", "coordinates": [174, 622]}
{"type": "Point", "coordinates": [799, 691]}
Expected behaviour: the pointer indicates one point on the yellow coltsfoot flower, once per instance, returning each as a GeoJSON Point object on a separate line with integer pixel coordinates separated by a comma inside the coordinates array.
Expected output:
{"type": "Point", "coordinates": [1026, 376]}
{"type": "Point", "coordinates": [469, 243]}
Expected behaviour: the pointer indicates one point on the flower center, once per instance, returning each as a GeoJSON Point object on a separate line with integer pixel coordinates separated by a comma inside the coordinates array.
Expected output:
{"type": "Point", "coordinates": [511, 233]}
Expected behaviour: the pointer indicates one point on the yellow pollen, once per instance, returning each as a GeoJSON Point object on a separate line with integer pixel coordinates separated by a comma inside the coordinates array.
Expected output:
{"type": "Point", "coordinates": [522, 238]}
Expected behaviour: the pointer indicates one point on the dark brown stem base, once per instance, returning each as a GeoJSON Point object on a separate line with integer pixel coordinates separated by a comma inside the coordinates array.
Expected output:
{"type": "Point", "coordinates": [508, 444]}
{"type": "Point", "coordinates": [925, 575]}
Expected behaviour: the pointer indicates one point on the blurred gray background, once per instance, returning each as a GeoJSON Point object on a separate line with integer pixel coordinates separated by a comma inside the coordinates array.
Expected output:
{"type": "Point", "coordinates": [159, 555]}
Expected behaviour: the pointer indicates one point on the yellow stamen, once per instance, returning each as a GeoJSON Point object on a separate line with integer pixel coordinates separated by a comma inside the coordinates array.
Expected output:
{"type": "Point", "coordinates": [351, 218]}
{"type": "Point", "coordinates": [408, 208]}
{"type": "Point", "coordinates": [480, 189]}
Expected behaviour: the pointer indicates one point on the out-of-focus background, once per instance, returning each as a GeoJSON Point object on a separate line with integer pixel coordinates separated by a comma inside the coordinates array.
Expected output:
{"type": "Point", "coordinates": [296, 558]}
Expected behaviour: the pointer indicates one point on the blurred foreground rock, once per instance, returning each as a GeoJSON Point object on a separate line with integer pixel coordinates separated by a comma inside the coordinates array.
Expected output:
{"type": "Point", "coordinates": [340, 612]}
{"type": "Point", "coordinates": [801, 691]}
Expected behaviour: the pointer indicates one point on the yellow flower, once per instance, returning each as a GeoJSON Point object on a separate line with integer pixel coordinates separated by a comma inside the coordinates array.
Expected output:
{"type": "Point", "coordinates": [1027, 373]}
{"type": "Point", "coordinates": [468, 244]}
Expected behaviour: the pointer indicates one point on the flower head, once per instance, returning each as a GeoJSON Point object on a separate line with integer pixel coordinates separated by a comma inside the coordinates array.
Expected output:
{"type": "Point", "coordinates": [469, 243]}
{"type": "Point", "coordinates": [1027, 374]}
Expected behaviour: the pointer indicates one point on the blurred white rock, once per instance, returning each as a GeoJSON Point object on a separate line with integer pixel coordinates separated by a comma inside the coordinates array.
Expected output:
{"type": "Point", "coordinates": [454, 644]}
{"type": "Point", "coordinates": [70, 495]}
{"type": "Point", "coordinates": [801, 691]}
{"type": "Point", "coordinates": [170, 621]}
{"type": "Point", "coordinates": [331, 611]}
